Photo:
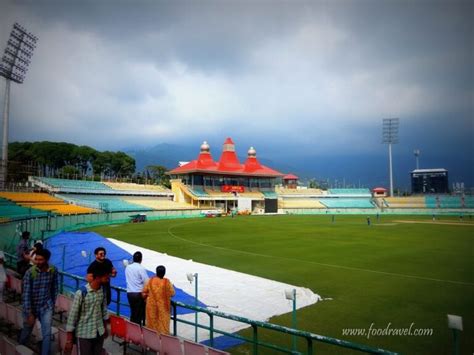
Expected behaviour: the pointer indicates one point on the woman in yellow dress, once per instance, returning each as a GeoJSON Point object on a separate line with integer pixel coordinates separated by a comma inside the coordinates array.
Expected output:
{"type": "Point", "coordinates": [158, 292]}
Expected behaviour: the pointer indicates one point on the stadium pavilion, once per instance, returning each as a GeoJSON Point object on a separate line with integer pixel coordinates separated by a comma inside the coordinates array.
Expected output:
{"type": "Point", "coordinates": [226, 184]}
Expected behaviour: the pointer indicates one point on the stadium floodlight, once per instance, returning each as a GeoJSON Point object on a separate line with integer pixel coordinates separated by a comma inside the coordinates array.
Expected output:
{"type": "Point", "coordinates": [417, 152]}
{"type": "Point", "coordinates": [191, 277]}
{"type": "Point", "coordinates": [455, 323]}
{"type": "Point", "coordinates": [390, 136]}
{"type": "Point", "coordinates": [13, 67]}
{"type": "Point", "coordinates": [291, 296]}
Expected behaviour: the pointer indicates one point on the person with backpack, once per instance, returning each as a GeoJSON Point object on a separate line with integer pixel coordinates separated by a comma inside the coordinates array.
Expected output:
{"type": "Point", "coordinates": [87, 321]}
{"type": "Point", "coordinates": [40, 290]}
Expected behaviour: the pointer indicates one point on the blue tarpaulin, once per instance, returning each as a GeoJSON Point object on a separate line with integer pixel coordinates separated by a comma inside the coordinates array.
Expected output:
{"type": "Point", "coordinates": [67, 249]}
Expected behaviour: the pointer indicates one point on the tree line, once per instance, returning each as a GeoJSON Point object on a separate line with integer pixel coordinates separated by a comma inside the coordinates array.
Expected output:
{"type": "Point", "coordinates": [70, 161]}
{"type": "Point", "coordinates": [60, 159]}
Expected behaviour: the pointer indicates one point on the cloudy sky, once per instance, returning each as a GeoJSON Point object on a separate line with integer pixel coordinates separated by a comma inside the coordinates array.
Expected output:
{"type": "Point", "coordinates": [285, 76]}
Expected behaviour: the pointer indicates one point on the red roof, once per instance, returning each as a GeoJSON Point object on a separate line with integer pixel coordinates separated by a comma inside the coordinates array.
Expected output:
{"type": "Point", "coordinates": [379, 189]}
{"type": "Point", "coordinates": [290, 177]}
{"type": "Point", "coordinates": [228, 163]}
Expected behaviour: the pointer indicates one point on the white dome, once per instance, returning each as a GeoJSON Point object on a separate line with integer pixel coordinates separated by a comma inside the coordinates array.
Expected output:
{"type": "Point", "coordinates": [252, 152]}
{"type": "Point", "coordinates": [205, 147]}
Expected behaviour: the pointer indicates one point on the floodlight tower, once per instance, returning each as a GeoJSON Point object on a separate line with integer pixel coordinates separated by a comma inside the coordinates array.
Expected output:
{"type": "Point", "coordinates": [390, 136]}
{"type": "Point", "coordinates": [417, 152]}
{"type": "Point", "coordinates": [14, 65]}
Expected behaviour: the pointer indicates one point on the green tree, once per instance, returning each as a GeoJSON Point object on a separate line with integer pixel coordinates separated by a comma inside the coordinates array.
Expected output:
{"type": "Point", "coordinates": [158, 174]}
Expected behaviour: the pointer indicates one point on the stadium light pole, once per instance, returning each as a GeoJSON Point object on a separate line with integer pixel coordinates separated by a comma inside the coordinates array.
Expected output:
{"type": "Point", "coordinates": [455, 323]}
{"type": "Point", "coordinates": [14, 65]}
{"type": "Point", "coordinates": [390, 136]}
{"type": "Point", "coordinates": [417, 152]}
{"type": "Point", "coordinates": [190, 277]}
{"type": "Point", "coordinates": [291, 296]}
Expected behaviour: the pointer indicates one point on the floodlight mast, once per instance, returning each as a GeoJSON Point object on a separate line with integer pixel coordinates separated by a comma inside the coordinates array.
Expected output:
{"type": "Point", "coordinates": [417, 152]}
{"type": "Point", "coordinates": [390, 136]}
{"type": "Point", "coordinates": [13, 67]}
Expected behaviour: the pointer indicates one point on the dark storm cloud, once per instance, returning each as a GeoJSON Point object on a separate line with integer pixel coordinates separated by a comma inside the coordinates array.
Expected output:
{"type": "Point", "coordinates": [318, 75]}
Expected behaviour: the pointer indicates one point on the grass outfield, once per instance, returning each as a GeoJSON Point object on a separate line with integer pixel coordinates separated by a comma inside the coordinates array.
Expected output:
{"type": "Point", "coordinates": [392, 272]}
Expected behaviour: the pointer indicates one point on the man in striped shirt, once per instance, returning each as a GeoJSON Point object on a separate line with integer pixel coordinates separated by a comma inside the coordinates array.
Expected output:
{"type": "Point", "coordinates": [40, 289]}
{"type": "Point", "coordinates": [88, 316]}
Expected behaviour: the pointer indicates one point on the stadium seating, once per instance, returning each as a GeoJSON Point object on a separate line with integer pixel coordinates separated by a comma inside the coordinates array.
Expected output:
{"type": "Point", "coordinates": [45, 202]}
{"type": "Point", "coordinates": [405, 202]}
{"type": "Point", "coordinates": [441, 201]}
{"type": "Point", "coordinates": [105, 203]}
{"type": "Point", "coordinates": [298, 192]}
{"type": "Point", "coordinates": [300, 203]}
{"type": "Point", "coordinates": [270, 194]}
{"type": "Point", "coordinates": [469, 201]}
{"type": "Point", "coordinates": [11, 210]}
{"type": "Point", "coordinates": [156, 203]}
{"type": "Point", "coordinates": [349, 192]}
{"type": "Point", "coordinates": [347, 203]}
{"type": "Point", "coordinates": [123, 186]}
{"type": "Point", "coordinates": [199, 192]}
{"type": "Point", "coordinates": [74, 185]}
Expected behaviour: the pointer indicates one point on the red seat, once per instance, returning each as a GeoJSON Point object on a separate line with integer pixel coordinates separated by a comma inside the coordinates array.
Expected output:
{"type": "Point", "coordinates": [217, 352]}
{"type": "Point", "coordinates": [151, 339]}
{"type": "Point", "coordinates": [192, 348]}
{"type": "Point", "coordinates": [117, 327]}
{"type": "Point", "coordinates": [170, 345]}
{"type": "Point", "coordinates": [133, 333]}
{"type": "Point", "coordinates": [63, 305]}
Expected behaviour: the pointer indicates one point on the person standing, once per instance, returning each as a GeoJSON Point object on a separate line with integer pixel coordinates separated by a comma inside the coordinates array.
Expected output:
{"type": "Point", "coordinates": [22, 254]}
{"type": "Point", "coordinates": [158, 292]}
{"type": "Point", "coordinates": [136, 277]}
{"type": "Point", "coordinates": [40, 289]}
{"type": "Point", "coordinates": [100, 259]}
{"type": "Point", "coordinates": [88, 315]}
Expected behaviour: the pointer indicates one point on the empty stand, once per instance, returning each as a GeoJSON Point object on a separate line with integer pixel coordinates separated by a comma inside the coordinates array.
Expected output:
{"type": "Point", "coordinates": [66, 185]}
{"type": "Point", "coordinates": [105, 203]}
{"type": "Point", "coordinates": [350, 192]}
{"type": "Point", "coordinates": [44, 202]}
{"type": "Point", "coordinates": [300, 203]}
{"type": "Point", "coordinates": [11, 210]}
{"type": "Point", "coordinates": [123, 186]}
{"type": "Point", "coordinates": [347, 203]}
{"type": "Point", "coordinates": [405, 202]}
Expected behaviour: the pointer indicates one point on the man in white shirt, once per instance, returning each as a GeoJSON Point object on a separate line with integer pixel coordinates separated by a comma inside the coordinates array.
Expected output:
{"type": "Point", "coordinates": [136, 277]}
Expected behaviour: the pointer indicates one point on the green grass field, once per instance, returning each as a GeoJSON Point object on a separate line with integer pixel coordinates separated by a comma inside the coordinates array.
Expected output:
{"type": "Point", "coordinates": [389, 273]}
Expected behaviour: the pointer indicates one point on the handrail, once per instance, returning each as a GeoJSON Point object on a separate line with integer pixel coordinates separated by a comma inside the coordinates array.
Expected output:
{"type": "Point", "coordinates": [310, 337]}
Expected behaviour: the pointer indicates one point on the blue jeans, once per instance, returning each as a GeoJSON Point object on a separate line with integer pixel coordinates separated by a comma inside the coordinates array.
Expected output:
{"type": "Point", "coordinates": [46, 320]}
